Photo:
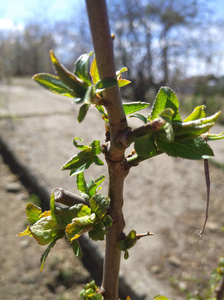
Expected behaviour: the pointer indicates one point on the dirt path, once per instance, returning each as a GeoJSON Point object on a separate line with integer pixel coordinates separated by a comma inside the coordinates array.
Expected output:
{"type": "Point", "coordinates": [164, 195]}
{"type": "Point", "coordinates": [20, 277]}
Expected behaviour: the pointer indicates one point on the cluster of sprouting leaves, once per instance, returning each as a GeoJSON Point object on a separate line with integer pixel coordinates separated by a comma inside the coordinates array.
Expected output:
{"type": "Point", "coordinates": [91, 292]}
{"type": "Point", "coordinates": [185, 139]}
{"type": "Point", "coordinates": [84, 86]}
{"type": "Point", "coordinates": [71, 221]}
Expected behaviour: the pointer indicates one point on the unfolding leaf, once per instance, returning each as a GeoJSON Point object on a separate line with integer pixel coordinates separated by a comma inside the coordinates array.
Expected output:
{"type": "Point", "coordinates": [104, 84]}
{"type": "Point", "coordinates": [33, 212]}
{"type": "Point", "coordinates": [122, 70]}
{"type": "Point", "coordinates": [81, 185]}
{"type": "Point", "coordinates": [54, 84]}
{"type": "Point", "coordinates": [196, 148]}
{"type": "Point", "coordinates": [165, 98]}
{"type": "Point", "coordinates": [81, 67]}
{"type": "Point", "coordinates": [166, 133]}
{"type": "Point", "coordinates": [139, 116]}
{"type": "Point", "coordinates": [132, 107]}
{"type": "Point", "coordinates": [69, 79]}
{"type": "Point", "coordinates": [83, 157]}
{"type": "Point", "coordinates": [123, 82]}
{"type": "Point", "coordinates": [214, 137]}
{"type": "Point", "coordinates": [93, 185]}
{"type": "Point", "coordinates": [94, 72]}
{"type": "Point", "coordinates": [194, 128]}
{"type": "Point", "coordinates": [197, 113]}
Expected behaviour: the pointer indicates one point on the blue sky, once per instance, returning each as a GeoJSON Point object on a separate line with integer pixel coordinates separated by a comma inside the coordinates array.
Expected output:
{"type": "Point", "coordinates": [20, 11]}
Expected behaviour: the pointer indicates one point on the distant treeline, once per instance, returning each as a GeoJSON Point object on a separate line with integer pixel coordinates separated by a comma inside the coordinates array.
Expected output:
{"type": "Point", "coordinates": [160, 42]}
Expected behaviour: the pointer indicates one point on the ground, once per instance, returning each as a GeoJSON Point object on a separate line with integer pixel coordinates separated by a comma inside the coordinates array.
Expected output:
{"type": "Point", "coordinates": [166, 196]}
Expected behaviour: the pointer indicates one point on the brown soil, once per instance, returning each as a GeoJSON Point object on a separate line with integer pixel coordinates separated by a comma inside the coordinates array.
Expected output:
{"type": "Point", "coordinates": [165, 195]}
{"type": "Point", "coordinates": [20, 278]}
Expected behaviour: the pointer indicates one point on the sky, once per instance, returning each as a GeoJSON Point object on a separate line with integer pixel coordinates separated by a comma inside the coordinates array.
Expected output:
{"type": "Point", "coordinates": [19, 12]}
{"type": "Point", "coordinates": [14, 14]}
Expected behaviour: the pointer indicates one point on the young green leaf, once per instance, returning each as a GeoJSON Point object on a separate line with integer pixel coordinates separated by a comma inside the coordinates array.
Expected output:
{"type": "Point", "coordinates": [79, 226]}
{"type": "Point", "coordinates": [93, 185]}
{"type": "Point", "coordinates": [132, 107]}
{"type": "Point", "coordinates": [144, 145]}
{"type": "Point", "coordinates": [69, 79]}
{"type": "Point", "coordinates": [158, 297]}
{"type": "Point", "coordinates": [54, 85]}
{"type": "Point", "coordinates": [215, 137]}
{"type": "Point", "coordinates": [123, 82]}
{"type": "Point", "coordinates": [46, 252]}
{"type": "Point", "coordinates": [94, 72]}
{"type": "Point", "coordinates": [104, 84]}
{"type": "Point", "coordinates": [194, 128]}
{"type": "Point", "coordinates": [98, 232]}
{"type": "Point", "coordinates": [81, 67]}
{"type": "Point", "coordinates": [33, 212]}
{"type": "Point", "coordinates": [83, 111]}
{"type": "Point", "coordinates": [83, 158]}
{"type": "Point", "coordinates": [82, 186]}
{"type": "Point", "coordinates": [196, 148]}
{"type": "Point", "coordinates": [197, 113]}
{"type": "Point", "coordinates": [165, 98]}
{"type": "Point", "coordinates": [99, 204]}
{"type": "Point", "coordinates": [76, 248]}
{"type": "Point", "coordinates": [140, 116]}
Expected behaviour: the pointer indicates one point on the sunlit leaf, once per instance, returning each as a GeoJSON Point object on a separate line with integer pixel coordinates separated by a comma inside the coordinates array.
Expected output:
{"type": "Point", "coordinates": [69, 79]}
{"type": "Point", "coordinates": [123, 82]}
{"type": "Point", "coordinates": [33, 212]}
{"type": "Point", "coordinates": [139, 116]}
{"type": "Point", "coordinates": [81, 67]}
{"type": "Point", "coordinates": [79, 226]}
{"type": "Point", "coordinates": [161, 298]}
{"type": "Point", "coordinates": [94, 72]}
{"type": "Point", "coordinates": [196, 148]}
{"type": "Point", "coordinates": [104, 84]}
{"type": "Point", "coordinates": [83, 157]}
{"type": "Point", "coordinates": [195, 127]}
{"type": "Point", "coordinates": [92, 187]}
{"type": "Point", "coordinates": [132, 107]}
{"type": "Point", "coordinates": [165, 98]}
{"type": "Point", "coordinates": [214, 137]}
{"type": "Point", "coordinates": [197, 113]}
{"type": "Point", "coordinates": [122, 70]}
{"type": "Point", "coordinates": [54, 84]}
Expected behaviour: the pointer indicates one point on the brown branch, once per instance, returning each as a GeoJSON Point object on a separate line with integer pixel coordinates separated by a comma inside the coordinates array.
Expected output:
{"type": "Point", "coordinates": [103, 47]}
{"type": "Point", "coordinates": [67, 198]}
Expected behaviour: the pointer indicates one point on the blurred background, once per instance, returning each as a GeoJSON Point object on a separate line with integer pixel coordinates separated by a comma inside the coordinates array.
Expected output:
{"type": "Point", "coordinates": [175, 43]}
